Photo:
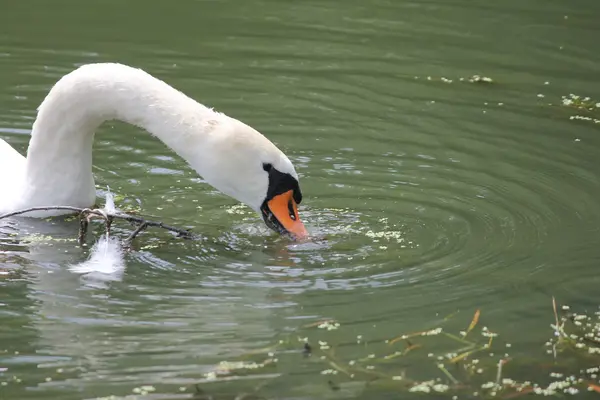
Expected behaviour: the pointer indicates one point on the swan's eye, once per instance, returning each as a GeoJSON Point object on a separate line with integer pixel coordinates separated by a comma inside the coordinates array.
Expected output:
{"type": "Point", "coordinates": [291, 210]}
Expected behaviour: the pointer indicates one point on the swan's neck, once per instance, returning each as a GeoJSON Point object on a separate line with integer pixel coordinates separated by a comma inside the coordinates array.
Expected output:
{"type": "Point", "coordinates": [59, 161]}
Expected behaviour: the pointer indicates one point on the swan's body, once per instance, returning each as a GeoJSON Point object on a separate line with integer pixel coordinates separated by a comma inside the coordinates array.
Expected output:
{"type": "Point", "coordinates": [228, 154]}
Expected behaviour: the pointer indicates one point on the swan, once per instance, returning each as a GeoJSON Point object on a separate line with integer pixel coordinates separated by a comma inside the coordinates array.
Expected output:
{"type": "Point", "coordinates": [229, 155]}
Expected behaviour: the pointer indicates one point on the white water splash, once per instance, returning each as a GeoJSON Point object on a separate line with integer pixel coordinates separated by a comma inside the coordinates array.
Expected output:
{"type": "Point", "coordinates": [109, 205]}
{"type": "Point", "coordinates": [106, 257]}
{"type": "Point", "coordinates": [106, 260]}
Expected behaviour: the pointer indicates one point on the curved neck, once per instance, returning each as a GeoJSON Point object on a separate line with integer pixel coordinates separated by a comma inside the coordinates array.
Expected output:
{"type": "Point", "coordinates": [59, 161]}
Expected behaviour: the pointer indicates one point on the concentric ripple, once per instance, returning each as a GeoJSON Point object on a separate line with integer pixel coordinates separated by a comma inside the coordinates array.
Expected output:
{"type": "Point", "coordinates": [434, 213]}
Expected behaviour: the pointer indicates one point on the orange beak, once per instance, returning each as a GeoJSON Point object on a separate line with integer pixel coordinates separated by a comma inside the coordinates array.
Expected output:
{"type": "Point", "coordinates": [285, 210]}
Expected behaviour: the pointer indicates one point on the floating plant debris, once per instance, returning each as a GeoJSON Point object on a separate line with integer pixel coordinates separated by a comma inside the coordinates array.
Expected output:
{"type": "Point", "coordinates": [470, 79]}
{"type": "Point", "coordinates": [585, 104]}
{"type": "Point", "coordinates": [472, 362]}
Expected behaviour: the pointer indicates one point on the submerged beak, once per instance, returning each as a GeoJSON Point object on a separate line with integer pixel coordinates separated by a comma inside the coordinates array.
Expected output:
{"type": "Point", "coordinates": [281, 214]}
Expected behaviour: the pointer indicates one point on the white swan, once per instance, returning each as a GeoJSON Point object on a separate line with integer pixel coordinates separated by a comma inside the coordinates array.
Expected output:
{"type": "Point", "coordinates": [230, 155]}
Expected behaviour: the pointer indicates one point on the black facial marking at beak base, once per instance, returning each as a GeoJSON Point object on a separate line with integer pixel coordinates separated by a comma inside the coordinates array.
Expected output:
{"type": "Point", "coordinates": [279, 209]}
{"type": "Point", "coordinates": [280, 182]}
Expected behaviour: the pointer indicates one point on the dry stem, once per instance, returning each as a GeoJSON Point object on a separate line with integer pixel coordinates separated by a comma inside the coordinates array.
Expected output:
{"type": "Point", "coordinates": [87, 214]}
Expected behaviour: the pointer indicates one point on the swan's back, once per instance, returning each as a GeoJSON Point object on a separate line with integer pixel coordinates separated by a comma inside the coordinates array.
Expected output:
{"type": "Point", "coordinates": [12, 168]}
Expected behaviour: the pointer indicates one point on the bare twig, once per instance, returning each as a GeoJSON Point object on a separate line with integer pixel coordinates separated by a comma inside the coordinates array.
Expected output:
{"type": "Point", "coordinates": [138, 230]}
{"type": "Point", "coordinates": [87, 214]}
{"type": "Point", "coordinates": [473, 322]}
{"type": "Point", "coordinates": [49, 208]}
{"type": "Point", "coordinates": [499, 372]}
{"type": "Point", "coordinates": [447, 373]}
{"type": "Point", "coordinates": [83, 226]}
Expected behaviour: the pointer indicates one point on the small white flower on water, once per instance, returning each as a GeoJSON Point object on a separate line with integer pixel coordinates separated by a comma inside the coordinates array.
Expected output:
{"type": "Point", "coordinates": [210, 376]}
{"type": "Point", "coordinates": [432, 332]}
{"type": "Point", "coordinates": [329, 372]}
{"type": "Point", "coordinates": [424, 387]}
{"type": "Point", "coordinates": [440, 388]}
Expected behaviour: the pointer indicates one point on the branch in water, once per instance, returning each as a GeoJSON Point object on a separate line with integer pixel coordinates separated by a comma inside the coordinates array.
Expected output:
{"type": "Point", "coordinates": [87, 214]}
{"type": "Point", "coordinates": [138, 230]}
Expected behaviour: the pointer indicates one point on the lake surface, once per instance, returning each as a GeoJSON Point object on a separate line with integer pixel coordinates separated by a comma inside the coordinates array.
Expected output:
{"type": "Point", "coordinates": [431, 194]}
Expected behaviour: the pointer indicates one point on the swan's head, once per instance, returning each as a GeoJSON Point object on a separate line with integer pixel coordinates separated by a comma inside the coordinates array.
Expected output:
{"type": "Point", "coordinates": [279, 208]}
{"type": "Point", "coordinates": [242, 163]}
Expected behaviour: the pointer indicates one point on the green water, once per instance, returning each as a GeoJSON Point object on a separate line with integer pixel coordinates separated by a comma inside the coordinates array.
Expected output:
{"type": "Point", "coordinates": [433, 194]}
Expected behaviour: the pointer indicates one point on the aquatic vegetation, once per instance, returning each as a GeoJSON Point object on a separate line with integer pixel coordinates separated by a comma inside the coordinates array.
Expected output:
{"type": "Point", "coordinates": [35, 238]}
{"type": "Point", "coordinates": [471, 79]}
{"type": "Point", "coordinates": [471, 363]}
{"type": "Point", "coordinates": [586, 104]}
{"type": "Point", "coordinates": [480, 79]}
{"type": "Point", "coordinates": [240, 209]}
